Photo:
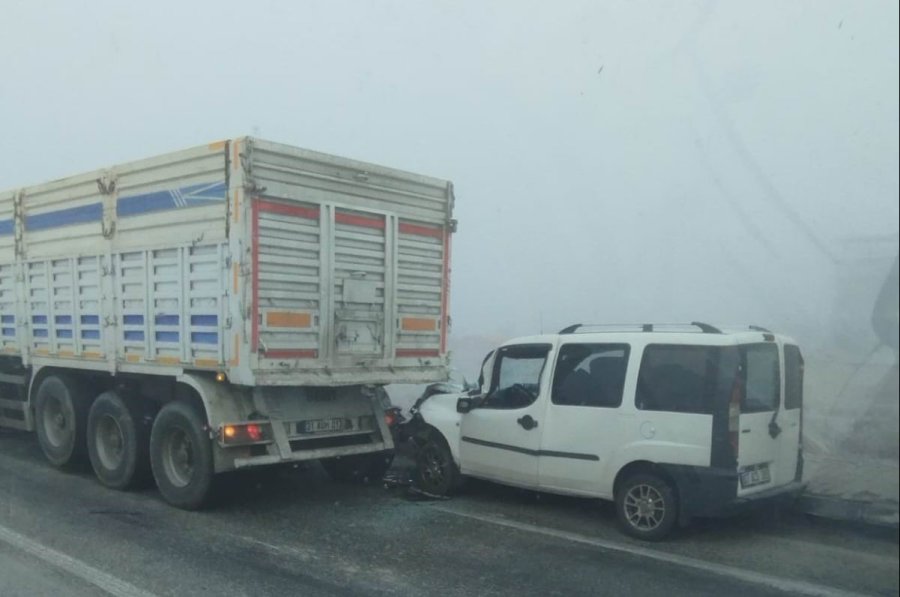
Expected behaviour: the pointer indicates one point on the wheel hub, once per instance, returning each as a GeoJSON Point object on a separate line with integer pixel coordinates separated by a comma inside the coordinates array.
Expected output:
{"type": "Point", "coordinates": [644, 507]}
{"type": "Point", "coordinates": [110, 442]}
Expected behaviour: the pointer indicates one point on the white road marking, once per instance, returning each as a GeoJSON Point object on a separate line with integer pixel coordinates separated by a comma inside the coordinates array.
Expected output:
{"type": "Point", "coordinates": [110, 584]}
{"type": "Point", "coordinates": [798, 587]}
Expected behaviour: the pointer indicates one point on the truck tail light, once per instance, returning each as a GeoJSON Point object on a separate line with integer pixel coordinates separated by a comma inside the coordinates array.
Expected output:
{"type": "Point", "coordinates": [239, 434]}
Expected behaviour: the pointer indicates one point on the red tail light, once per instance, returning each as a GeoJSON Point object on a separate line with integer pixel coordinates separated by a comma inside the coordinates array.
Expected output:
{"type": "Point", "coordinates": [254, 432]}
{"type": "Point", "coordinates": [245, 433]}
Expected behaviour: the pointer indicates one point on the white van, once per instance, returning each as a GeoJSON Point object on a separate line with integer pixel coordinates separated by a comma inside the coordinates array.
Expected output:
{"type": "Point", "coordinates": [668, 421]}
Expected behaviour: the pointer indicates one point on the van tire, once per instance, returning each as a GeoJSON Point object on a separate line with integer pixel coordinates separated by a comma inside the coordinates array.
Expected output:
{"type": "Point", "coordinates": [118, 442]}
{"type": "Point", "coordinates": [60, 416]}
{"type": "Point", "coordinates": [359, 468]}
{"type": "Point", "coordinates": [646, 507]}
{"type": "Point", "coordinates": [181, 456]}
{"type": "Point", "coordinates": [436, 471]}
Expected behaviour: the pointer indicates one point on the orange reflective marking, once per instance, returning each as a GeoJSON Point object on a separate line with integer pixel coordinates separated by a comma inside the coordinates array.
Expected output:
{"type": "Point", "coordinates": [287, 319]}
{"type": "Point", "coordinates": [216, 146]}
{"type": "Point", "coordinates": [236, 355]}
{"type": "Point", "coordinates": [206, 362]}
{"type": "Point", "coordinates": [418, 324]}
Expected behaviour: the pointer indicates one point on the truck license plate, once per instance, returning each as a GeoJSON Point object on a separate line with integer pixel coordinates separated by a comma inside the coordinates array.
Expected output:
{"type": "Point", "coordinates": [758, 475]}
{"type": "Point", "coordinates": [321, 426]}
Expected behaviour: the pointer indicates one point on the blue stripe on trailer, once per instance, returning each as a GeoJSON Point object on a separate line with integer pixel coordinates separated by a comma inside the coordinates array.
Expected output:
{"type": "Point", "coordinates": [188, 196]}
{"type": "Point", "coordinates": [9, 332]}
{"type": "Point", "coordinates": [92, 334]}
{"type": "Point", "coordinates": [133, 319]}
{"type": "Point", "coordinates": [210, 320]}
{"type": "Point", "coordinates": [166, 320]}
{"type": "Point", "coordinates": [63, 333]}
{"type": "Point", "coordinates": [7, 227]}
{"type": "Point", "coordinates": [167, 336]}
{"type": "Point", "coordinates": [63, 319]}
{"type": "Point", "coordinates": [91, 319]}
{"type": "Point", "coordinates": [134, 336]}
{"type": "Point", "coordinates": [204, 337]}
{"type": "Point", "coordinates": [83, 214]}
{"type": "Point", "coordinates": [39, 333]}
{"type": "Point", "coordinates": [40, 319]}
{"type": "Point", "coordinates": [7, 318]}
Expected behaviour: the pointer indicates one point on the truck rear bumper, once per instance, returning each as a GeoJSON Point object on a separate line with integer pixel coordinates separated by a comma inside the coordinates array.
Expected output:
{"type": "Point", "coordinates": [314, 454]}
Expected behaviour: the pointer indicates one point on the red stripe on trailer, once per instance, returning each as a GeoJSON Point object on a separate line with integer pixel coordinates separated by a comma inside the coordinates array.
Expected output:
{"type": "Point", "coordinates": [420, 230]}
{"type": "Point", "coordinates": [298, 211]}
{"type": "Point", "coordinates": [308, 353]}
{"type": "Point", "coordinates": [445, 295]}
{"type": "Point", "coordinates": [254, 246]}
{"type": "Point", "coordinates": [362, 221]}
{"type": "Point", "coordinates": [416, 352]}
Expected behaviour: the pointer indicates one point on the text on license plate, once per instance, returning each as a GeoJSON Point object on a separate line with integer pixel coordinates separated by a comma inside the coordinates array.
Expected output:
{"type": "Point", "coordinates": [758, 475]}
{"type": "Point", "coordinates": [322, 425]}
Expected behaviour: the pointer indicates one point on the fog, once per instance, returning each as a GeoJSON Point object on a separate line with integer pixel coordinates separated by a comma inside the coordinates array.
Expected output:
{"type": "Point", "coordinates": [613, 161]}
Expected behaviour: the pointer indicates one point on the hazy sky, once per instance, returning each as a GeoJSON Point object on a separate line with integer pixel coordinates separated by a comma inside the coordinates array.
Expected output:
{"type": "Point", "coordinates": [613, 161]}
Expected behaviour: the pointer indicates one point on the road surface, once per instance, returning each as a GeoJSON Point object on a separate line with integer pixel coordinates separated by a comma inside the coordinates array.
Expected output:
{"type": "Point", "coordinates": [292, 532]}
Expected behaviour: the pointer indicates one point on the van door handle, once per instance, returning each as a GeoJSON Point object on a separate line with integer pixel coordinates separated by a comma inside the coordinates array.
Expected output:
{"type": "Point", "coordinates": [527, 422]}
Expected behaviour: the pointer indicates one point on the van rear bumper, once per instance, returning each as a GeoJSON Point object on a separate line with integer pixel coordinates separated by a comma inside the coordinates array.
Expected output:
{"type": "Point", "coordinates": [713, 492]}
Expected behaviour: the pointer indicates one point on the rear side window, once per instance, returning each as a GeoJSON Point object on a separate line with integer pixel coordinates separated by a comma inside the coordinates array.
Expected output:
{"type": "Point", "coordinates": [678, 378]}
{"type": "Point", "coordinates": [590, 375]}
{"type": "Point", "coordinates": [793, 377]}
{"type": "Point", "coordinates": [763, 378]}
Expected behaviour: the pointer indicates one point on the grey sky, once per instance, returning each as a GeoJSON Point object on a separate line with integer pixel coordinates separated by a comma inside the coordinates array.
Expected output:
{"type": "Point", "coordinates": [613, 161]}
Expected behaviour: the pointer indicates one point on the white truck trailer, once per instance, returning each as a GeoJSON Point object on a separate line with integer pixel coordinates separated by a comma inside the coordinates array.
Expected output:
{"type": "Point", "coordinates": [232, 305]}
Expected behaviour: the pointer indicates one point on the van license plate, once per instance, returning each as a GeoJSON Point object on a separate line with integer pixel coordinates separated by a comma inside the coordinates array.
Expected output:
{"type": "Point", "coordinates": [321, 426]}
{"type": "Point", "coordinates": [758, 475]}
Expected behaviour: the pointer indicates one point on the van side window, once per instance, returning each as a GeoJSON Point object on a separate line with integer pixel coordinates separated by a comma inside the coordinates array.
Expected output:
{"type": "Point", "coordinates": [793, 377]}
{"type": "Point", "coordinates": [763, 378]}
{"type": "Point", "coordinates": [516, 378]}
{"type": "Point", "coordinates": [590, 375]}
{"type": "Point", "coordinates": [677, 378]}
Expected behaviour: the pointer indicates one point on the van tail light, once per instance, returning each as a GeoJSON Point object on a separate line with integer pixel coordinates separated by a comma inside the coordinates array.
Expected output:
{"type": "Point", "coordinates": [734, 413]}
{"type": "Point", "coordinates": [240, 434]}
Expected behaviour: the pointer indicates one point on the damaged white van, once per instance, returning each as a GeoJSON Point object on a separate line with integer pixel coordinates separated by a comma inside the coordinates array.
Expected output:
{"type": "Point", "coordinates": [668, 421]}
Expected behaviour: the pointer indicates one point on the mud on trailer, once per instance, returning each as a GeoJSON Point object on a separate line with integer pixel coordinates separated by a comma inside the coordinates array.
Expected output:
{"type": "Point", "coordinates": [232, 305]}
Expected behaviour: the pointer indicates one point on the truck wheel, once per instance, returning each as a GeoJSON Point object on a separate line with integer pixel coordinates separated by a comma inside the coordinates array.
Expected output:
{"type": "Point", "coordinates": [118, 442]}
{"type": "Point", "coordinates": [436, 472]}
{"type": "Point", "coordinates": [60, 406]}
{"type": "Point", "coordinates": [181, 456]}
{"type": "Point", "coordinates": [647, 507]}
{"type": "Point", "coordinates": [359, 468]}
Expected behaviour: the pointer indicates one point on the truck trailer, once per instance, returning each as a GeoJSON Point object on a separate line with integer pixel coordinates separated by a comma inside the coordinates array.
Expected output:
{"type": "Point", "coordinates": [234, 305]}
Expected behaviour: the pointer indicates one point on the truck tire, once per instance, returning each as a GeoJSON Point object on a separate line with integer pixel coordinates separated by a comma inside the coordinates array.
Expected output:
{"type": "Point", "coordinates": [360, 468]}
{"type": "Point", "coordinates": [60, 409]}
{"type": "Point", "coordinates": [436, 471]}
{"type": "Point", "coordinates": [646, 507]}
{"type": "Point", "coordinates": [181, 456]}
{"type": "Point", "coordinates": [118, 441]}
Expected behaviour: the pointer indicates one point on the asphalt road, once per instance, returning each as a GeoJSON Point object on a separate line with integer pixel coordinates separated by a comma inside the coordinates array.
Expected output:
{"type": "Point", "coordinates": [293, 532]}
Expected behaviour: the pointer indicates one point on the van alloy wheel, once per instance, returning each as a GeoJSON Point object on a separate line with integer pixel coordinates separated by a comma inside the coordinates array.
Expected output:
{"type": "Point", "coordinates": [436, 472]}
{"type": "Point", "coordinates": [645, 507]}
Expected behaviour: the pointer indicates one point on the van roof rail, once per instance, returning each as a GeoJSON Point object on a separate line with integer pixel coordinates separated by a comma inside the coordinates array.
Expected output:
{"type": "Point", "coordinates": [644, 327]}
{"type": "Point", "coordinates": [759, 328]}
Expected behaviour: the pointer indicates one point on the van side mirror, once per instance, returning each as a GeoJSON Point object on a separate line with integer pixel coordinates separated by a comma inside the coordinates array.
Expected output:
{"type": "Point", "coordinates": [465, 404]}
